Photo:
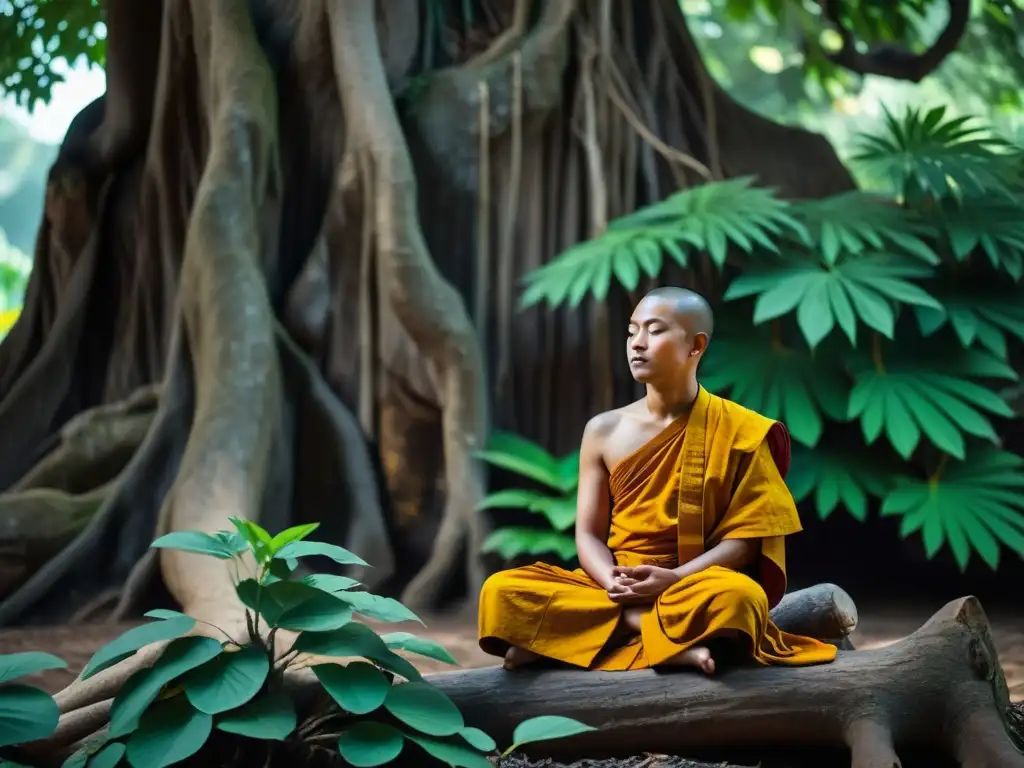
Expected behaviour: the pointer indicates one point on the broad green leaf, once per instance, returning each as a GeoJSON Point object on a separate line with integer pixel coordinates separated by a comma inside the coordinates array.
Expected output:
{"type": "Point", "coordinates": [338, 554]}
{"type": "Point", "coordinates": [366, 744]}
{"type": "Point", "coordinates": [450, 752]}
{"type": "Point", "coordinates": [108, 757]}
{"type": "Point", "coordinates": [328, 582]}
{"type": "Point", "coordinates": [201, 543]}
{"type": "Point", "coordinates": [270, 715]}
{"type": "Point", "coordinates": [989, 226]}
{"type": "Point", "coordinates": [180, 656]}
{"type": "Point", "coordinates": [164, 613]}
{"type": "Point", "coordinates": [424, 708]}
{"type": "Point", "coordinates": [978, 319]}
{"type": "Point", "coordinates": [789, 385]}
{"type": "Point", "coordinates": [26, 714]}
{"type": "Point", "coordinates": [973, 506]}
{"type": "Point", "coordinates": [478, 739]}
{"type": "Point", "coordinates": [559, 511]}
{"type": "Point", "coordinates": [714, 217]}
{"type": "Point", "coordinates": [228, 681]}
{"type": "Point", "coordinates": [131, 641]}
{"type": "Point", "coordinates": [853, 223]}
{"type": "Point", "coordinates": [519, 455]}
{"type": "Point", "coordinates": [171, 731]}
{"type": "Point", "coordinates": [257, 599]}
{"type": "Point", "coordinates": [255, 536]}
{"type": "Point", "coordinates": [295, 533]}
{"type": "Point", "coordinates": [376, 607]}
{"type": "Point", "coordinates": [837, 477]}
{"type": "Point", "coordinates": [546, 728]}
{"type": "Point", "coordinates": [513, 498]}
{"type": "Point", "coordinates": [16, 665]}
{"type": "Point", "coordinates": [319, 613]}
{"type": "Point", "coordinates": [405, 641]}
{"type": "Point", "coordinates": [355, 639]}
{"type": "Point", "coordinates": [358, 687]}
{"type": "Point", "coordinates": [511, 542]}
{"type": "Point", "coordinates": [869, 285]}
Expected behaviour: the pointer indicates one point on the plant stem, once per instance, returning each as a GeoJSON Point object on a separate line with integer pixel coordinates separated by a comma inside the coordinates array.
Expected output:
{"type": "Point", "coordinates": [876, 353]}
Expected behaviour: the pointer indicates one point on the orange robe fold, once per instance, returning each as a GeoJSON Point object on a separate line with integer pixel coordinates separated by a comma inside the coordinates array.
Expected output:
{"type": "Point", "coordinates": [715, 475]}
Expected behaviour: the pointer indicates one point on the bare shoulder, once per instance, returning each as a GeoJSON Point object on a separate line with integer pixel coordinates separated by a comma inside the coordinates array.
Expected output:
{"type": "Point", "coordinates": [605, 430]}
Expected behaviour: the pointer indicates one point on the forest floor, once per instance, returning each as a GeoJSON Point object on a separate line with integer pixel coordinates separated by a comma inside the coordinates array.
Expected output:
{"type": "Point", "coordinates": [880, 624]}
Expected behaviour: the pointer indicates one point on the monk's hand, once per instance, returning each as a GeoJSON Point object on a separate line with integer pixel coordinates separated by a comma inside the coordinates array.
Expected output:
{"type": "Point", "coordinates": [643, 582]}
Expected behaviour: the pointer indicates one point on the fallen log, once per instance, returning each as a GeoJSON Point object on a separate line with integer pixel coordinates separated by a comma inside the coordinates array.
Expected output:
{"type": "Point", "coordinates": [940, 687]}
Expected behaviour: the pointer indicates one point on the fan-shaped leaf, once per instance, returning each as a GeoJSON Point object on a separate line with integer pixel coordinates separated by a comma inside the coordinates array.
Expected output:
{"type": "Point", "coordinates": [973, 506]}
{"type": "Point", "coordinates": [853, 223]}
{"type": "Point", "coordinates": [836, 477]}
{"type": "Point", "coordinates": [864, 287]}
{"type": "Point", "coordinates": [780, 383]}
{"type": "Point", "coordinates": [993, 226]}
{"type": "Point", "coordinates": [977, 318]}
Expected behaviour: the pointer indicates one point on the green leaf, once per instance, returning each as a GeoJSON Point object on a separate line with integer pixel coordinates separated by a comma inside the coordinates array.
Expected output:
{"type": "Point", "coordinates": [255, 536]}
{"type": "Point", "coordinates": [512, 541]}
{"type": "Point", "coordinates": [974, 506]}
{"type": "Point", "coordinates": [168, 733]}
{"type": "Point", "coordinates": [131, 641]}
{"type": "Point", "coordinates": [270, 715]}
{"type": "Point", "coordinates": [425, 708]}
{"type": "Point", "coordinates": [789, 385]}
{"type": "Point", "coordinates": [376, 607]}
{"type": "Point", "coordinates": [404, 641]}
{"type": "Point", "coordinates": [108, 757]}
{"type": "Point", "coordinates": [318, 613]}
{"type": "Point", "coordinates": [228, 681]}
{"type": "Point", "coordinates": [559, 511]}
{"type": "Point", "coordinates": [546, 728]}
{"type": "Point", "coordinates": [328, 582]}
{"type": "Point", "coordinates": [295, 533]}
{"type": "Point", "coordinates": [212, 544]}
{"type": "Point", "coordinates": [516, 454]}
{"type": "Point", "coordinates": [355, 639]}
{"type": "Point", "coordinates": [358, 688]}
{"type": "Point", "coordinates": [256, 598]}
{"type": "Point", "coordinates": [978, 318]}
{"type": "Point", "coordinates": [713, 217]}
{"type": "Point", "coordinates": [837, 476]}
{"type": "Point", "coordinates": [26, 714]}
{"type": "Point", "coordinates": [180, 656]}
{"type": "Point", "coordinates": [16, 665]}
{"type": "Point", "coordinates": [452, 753]}
{"type": "Point", "coordinates": [868, 285]}
{"type": "Point", "coordinates": [365, 744]}
{"type": "Point", "coordinates": [164, 613]}
{"type": "Point", "coordinates": [478, 739]}
{"type": "Point", "coordinates": [338, 554]}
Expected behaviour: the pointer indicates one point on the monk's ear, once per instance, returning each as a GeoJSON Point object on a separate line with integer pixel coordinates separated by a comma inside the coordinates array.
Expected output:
{"type": "Point", "coordinates": [700, 343]}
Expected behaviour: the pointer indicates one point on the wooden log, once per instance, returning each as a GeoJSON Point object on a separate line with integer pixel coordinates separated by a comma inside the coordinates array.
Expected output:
{"type": "Point", "coordinates": [940, 687]}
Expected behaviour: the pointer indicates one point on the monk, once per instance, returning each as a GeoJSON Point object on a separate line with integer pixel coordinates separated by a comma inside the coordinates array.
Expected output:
{"type": "Point", "coordinates": [681, 519]}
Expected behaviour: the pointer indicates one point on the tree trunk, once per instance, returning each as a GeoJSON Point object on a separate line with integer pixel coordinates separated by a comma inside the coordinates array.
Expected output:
{"type": "Point", "coordinates": [303, 222]}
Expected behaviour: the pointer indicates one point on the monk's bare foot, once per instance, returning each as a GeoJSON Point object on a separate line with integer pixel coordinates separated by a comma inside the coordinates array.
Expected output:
{"type": "Point", "coordinates": [699, 657]}
{"type": "Point", "coordinates": [517, 657]}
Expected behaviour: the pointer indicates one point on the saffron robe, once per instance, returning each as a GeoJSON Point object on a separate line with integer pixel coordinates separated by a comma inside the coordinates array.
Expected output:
{"type": "Point", "coordinates": [714, 475]}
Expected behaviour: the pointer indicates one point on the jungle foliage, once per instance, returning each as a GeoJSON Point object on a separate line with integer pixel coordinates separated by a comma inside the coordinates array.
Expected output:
{"type": "Point", "coordinates": [215, 682]}
{"type": "Point", "coordinates": [881, 329]}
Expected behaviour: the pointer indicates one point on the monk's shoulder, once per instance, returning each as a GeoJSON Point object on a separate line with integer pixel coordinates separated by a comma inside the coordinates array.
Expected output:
{"type": "Point", "coordinates": [603, 425]}
{"type": "Point", "coordinates": [745, 428]}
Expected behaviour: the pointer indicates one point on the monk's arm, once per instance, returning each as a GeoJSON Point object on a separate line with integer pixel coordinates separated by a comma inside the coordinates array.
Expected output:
{"type": "Point", "coordinates": [736, 554]}
{"type": "Point", "coordinates": [593, 509]}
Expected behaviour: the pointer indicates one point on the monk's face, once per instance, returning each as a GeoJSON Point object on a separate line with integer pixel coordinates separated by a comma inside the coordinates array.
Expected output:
{"type": "Point", "coordinates": [659, 345]}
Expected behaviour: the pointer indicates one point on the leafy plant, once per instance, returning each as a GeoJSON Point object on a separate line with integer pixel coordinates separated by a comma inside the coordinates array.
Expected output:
{"type": "Point", "coordinates": [26, 713]}
{"type": "Point", "coordinates": [895, 317]}
{"type": "Point", "coordinates": [556, 503]}
{"type": "Point", "coordinates": [201, 684]}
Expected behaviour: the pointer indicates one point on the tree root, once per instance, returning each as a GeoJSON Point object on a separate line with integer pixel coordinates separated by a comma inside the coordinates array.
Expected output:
{"type": "Point", "coordinates": [941, 686]}
{"type": "Point", "coordinates": [426, 305]}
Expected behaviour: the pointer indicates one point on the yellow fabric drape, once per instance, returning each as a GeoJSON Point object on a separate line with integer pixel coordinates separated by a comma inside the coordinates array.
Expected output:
{"type": "Point", "coordinates": [703, 479]}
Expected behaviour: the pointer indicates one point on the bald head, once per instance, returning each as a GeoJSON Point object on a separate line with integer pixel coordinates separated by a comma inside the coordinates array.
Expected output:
{"type": "Point", "coordinates": [690, 308]}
